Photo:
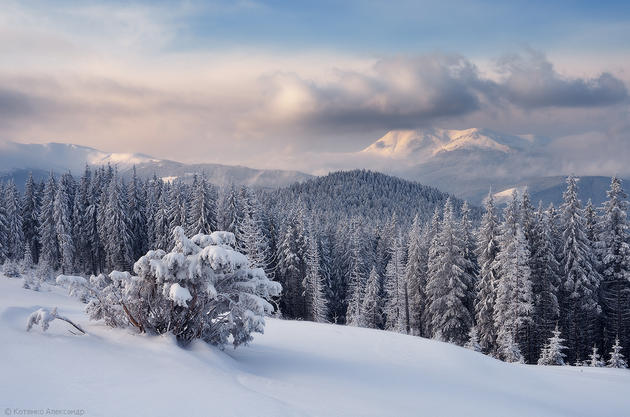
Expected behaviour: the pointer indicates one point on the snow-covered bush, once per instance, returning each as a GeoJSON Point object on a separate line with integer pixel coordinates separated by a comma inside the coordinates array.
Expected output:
{"type": "Point", "coordinates": [43, 317]}
{"type": "Point", "coordinates": [202, 289]}
{"type": "Point", "coordinates": [11, 269]}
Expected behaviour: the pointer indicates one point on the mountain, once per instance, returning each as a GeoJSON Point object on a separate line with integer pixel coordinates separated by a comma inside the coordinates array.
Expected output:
{"type": "Point", "coordinates": [469, 162]}
{"type": "Point", "coordinates": [296, 368]}
{"type": "Point", "coordinates": [17, 160]}
{"type": "Point", "coordinates": [368, 195]}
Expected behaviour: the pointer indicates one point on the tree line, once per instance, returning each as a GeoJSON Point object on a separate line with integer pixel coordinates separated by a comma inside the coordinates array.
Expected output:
{"type": "Point", "coordinates": [433, 269]}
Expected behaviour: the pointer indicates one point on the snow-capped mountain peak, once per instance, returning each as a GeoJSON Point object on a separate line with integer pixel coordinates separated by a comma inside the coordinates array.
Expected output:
{"type": "Point", "coordinates": [422, 144]}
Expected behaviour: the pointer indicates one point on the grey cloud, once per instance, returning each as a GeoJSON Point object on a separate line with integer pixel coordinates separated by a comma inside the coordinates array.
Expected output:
{"type": "Point", "coordinates": [532, 82]}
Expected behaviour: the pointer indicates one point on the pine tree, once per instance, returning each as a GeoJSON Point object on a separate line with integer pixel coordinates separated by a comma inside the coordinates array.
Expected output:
{"type": "Point", "coordinates": [416, 276]}
{"type": "Point", "coordinates": [615, 255]}
{"type": "Point", "coordinates": [580, 281]}
{"type": "Point", "coordinates": [545, 274]}
{"type": "Point", "coordinates": [356, 284]}
{"type": "Point", "coordinates": [448, 284]}
{"type": "Point", "coordinates": [551, 353]}
{"type": "Point", "coordinates": [203, 209]}
{"type": "Point", "coordinates": [136, 198]}
{"type": "Point", "coordinates": [314, 290]}
{"type": "Point", "coordinates": [292, 267]}
{"type": "Point", "coordinates": [30, 217]}
{"type": "Point", "coordinates": [372, 304]}
{"type": "Point", "coordinates": [473, 340]}
{"type": "Point", "coordinates": [396, 288]}
{"type": "Point", "coordinates": [252, 240]}
{"type": "Point", "coordinates": [62, 209]}
{"type": "Point", "coordinates": [595, 359]}
{"type": "Point", "coordinates": [514, 305]}
{"type": "Point", "coordinates": [469, 247]}
{"type": "Point", "coordinates": [616, 358]}
{"type": "Point", "coordinates": [13, 213]}
{"type": "Point", "coordinates": [4, 228]}
{"type": "Point", "coordinates": [50, 253]}
{"type": "Point", "coordinates": [487, 250]}
{"type": "Point", "coordinates": [161, 221]}
{"type": "Point", "coordinates": [118, 244]}
{"type": "Point", "coordinates": [79, 237]}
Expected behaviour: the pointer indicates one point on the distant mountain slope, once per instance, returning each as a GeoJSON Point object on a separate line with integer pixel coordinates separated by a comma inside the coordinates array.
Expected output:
{"type": "Point", "coordinates": [469, 162]}
{"type": "Point", "coordinates": [17, 160]}
{"type": "Point", "coordinates": [366, 194]}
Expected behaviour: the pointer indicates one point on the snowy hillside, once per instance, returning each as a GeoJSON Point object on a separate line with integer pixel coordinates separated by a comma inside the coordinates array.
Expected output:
{"type": "Point", "coordinates": [18, 159]}
{"type": "Point", "coordinates": [294, 369]}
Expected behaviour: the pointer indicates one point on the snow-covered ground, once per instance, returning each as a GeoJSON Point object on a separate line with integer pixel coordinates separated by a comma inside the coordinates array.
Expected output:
{"type": "Point", "coordinates": [294, 369]}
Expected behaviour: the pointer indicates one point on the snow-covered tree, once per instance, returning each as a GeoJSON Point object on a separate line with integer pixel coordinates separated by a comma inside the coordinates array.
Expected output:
{"type": "Point", "coordinates": [448, 283]}
{"type": "Point", "coordinates": [551, 353]}
{"type": "Point", "coordinates": [30, 217]}
{"type": "Point", "coordinates": [292, 266]}
{"type": "Point", "coordinates": [396, 290]}
{"type": "Point", "coordinates": [50, 253]}
{"type": "Point", "coordinates": [514, 304]}
{"type": "Point", "coordinates": [202, 289]}
{"type": "Point", "coordinates": [473, 340]}
{"type": "Point", "coordinates": [372, 303]}
{"type": "Point", "coordinates": [487, 250]}
{"type": "Point", "coordinates": [416, 276]}
{"type": "Point", "coordinates": [13, 215]}
{"type": "Point", "coordinates": [314, 285]}
{"type": "Point", "coordinates": [616, 357]}
{"type": "Point", "coordinates": [136, 212]}
{"type": "Point", "coordinates": [356, 283]}
{"type": "Point", "coordinates": [62, 217]}
{"type": "Point", "coordinates": [595, 360]}
{"type": "Point", "coordinates": [580, 281]}
{"type": "Point", "coordinates": [614, 240]}
{"type": "Point", "coordinates": [118, 239]}
{"type": "Point", "coordinates": [545, 274]}
{"type": "Point", "coordinates": [203, 208]}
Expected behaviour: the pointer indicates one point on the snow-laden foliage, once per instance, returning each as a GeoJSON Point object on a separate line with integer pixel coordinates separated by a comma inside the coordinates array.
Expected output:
{"type": "Point", "coordinates": [551, 353]}
{"type": "Point", "coordinates": [595, 359]}
{"type": "Point", "coordinates": [616, 357]}
{"type": "Point", "coordinates": [202, 289]}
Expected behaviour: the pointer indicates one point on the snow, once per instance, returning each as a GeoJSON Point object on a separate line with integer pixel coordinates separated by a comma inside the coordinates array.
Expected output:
{"type": "Point", "coordinates": [294, 369]}
{"type": "Point", "coordinates": [180, 295]}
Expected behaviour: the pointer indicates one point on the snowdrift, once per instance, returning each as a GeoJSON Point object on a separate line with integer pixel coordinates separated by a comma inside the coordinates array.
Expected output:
{"type": "Point", "coordinates": [294, 369]}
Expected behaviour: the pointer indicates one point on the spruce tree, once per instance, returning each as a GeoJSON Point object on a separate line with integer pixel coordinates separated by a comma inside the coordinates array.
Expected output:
{"type": "Point", "coordinates": [397, 301]}
{"type": "Point", "coordinates": [616, 357]}
{"type": "Point", "coordinates": [545, 274]}
{"type": "Point", "coordinates": [473, 340]}
{"type": "Point", "coordinates": [4, 228]}
{"type": "Point", "coordinates": [580, 281]}
{"type": "Point", "coordinates": [372, 304]}
{"type": "Point", "coordinates": [292, 267]}
{"type": "Point", "coordinates": [50, 253]}
{"type": "Point", "coordinates": [62, 209]}
{"type": "Point", "coordinates": [615, 254]}
{"type": "Point", "coordinates": [448, 283]}
{"type": "Point", "coordinates": [356, 283]}
{"type": "Point", "coordinates": [595, 360]}
{"type": "Point", "coordinates": [551, 353]}
{"type": "Point", "coordinates": [514, 305]}
{"type": "Point", "coordinates": [136, 198]}
{"type": "Point", "coordinates": [314, 285]}
{"type": "Point", "coordinates": [203, 208]}
{"type": "Point", "coordinates": [487, 251]}
{"type": "Point", "coordinates": [30, 217]}
{"type": "Point", "coordinates": [416, 276]}
{"type": "Point", "coordinates": [13, 213]}
{"type": "Point", "coordinates": [118, 244]}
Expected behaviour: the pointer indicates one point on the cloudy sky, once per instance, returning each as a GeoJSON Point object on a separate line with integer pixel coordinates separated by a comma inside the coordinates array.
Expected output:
{"type": "Point", "coordinates": [300, 84]}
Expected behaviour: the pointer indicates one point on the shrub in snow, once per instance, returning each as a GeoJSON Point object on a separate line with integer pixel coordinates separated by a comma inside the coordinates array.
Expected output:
{"type": "Point", "coordinates": [551, 353]}
{"type": "Point", "coordinates": [616, 358]}
{"type": "Point", "coordinates": [202, 289]}
{"type": "Point", "coordinates": [43, 317]}
{"type": "Point", "coordinates": [11, 269]}
{"type": "Point", "coordinates": [595, 359]}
